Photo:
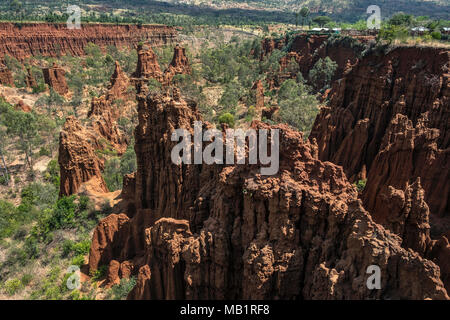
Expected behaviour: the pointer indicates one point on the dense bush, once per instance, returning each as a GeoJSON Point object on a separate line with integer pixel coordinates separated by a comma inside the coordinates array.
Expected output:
{"type": "Point", "coordinates": [121, 291]}
{"type": "Point", "coordinates": [322, 73]}
{"type": "Point", "coordinates": [227, 118]}
{"type": "Point", "coordinates": [298, 107]}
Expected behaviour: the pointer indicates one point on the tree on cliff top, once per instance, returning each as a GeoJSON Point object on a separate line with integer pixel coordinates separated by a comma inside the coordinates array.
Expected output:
{"type": "Point", "coordinates": [322, 20]}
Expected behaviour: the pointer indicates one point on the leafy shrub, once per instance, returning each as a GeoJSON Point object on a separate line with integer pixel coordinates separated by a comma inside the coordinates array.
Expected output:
{"type": "Point", "coordinates": [12, 286]}
{"type": "Point", "coordinates": [112, 175]}
{"type": "Point", "coordinates": [3, 181]}
{"type": "Point", "coordinates": [99, 273]}
{"type": "Point", "coordinates": [8, 219]}
{"type": "Point", "coordinates": [120, 291]}
{"type": "Point", "coordinates": [63, 214]}
{"type": "Point", "coordinates": [44, 151]}
{"type": "Point", "coordinates": [26, 279]}
{"type": "Point", "coordinates": [40, 87]}
{"type": "Point", "coordinates": [78, 260]}
{"type": "Point", "coordinates": [227, 118]}
{"type": "Point", "coordinates": [361, 185]}
{"type": "Point", "coordinates": [128, 161]}
{"type": "Point", "coordinates": [76, 249]}
{"type": "Point", "coordinates": [83, 203]}
{"type": "Point", "coordinates": [436, 35]}
{"type": "Point", "coordinates": [393, 32]}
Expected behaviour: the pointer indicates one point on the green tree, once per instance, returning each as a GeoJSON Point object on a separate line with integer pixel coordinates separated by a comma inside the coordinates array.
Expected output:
{"type": "Point", "coordinates": [24, 126]}
{"type": "Point", "coordinates": [298, 107]}
{"type": "Point", "coordinates": [50, 101]}
{"type": "Point", "coordinates": [401, 19]}
{"type": "Point", "coordinates": [304, 12]}
{"type": "Point", "coordinates": [16, 6]}
{"type": "Point", "coordinates": [112, 174]}
{"type": "Point", "coordinates": [322, 20]}
{"type": "Point", "coordinates": [322, 73]}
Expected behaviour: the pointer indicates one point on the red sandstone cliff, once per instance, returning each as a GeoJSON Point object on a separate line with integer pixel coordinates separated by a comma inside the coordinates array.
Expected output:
{"type": "Point", "coordinates": [388, 121]}
{"type": "Point", "coordinates": [226, 232]}
{"type": "Point", "coordinates": [306, 50]}
{"type": "Point", "coordinates": [31, 39]}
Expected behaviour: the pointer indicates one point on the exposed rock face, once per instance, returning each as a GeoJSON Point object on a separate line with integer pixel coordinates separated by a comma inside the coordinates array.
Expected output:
{"type": "Point", "coordinates": [31, 39]}
{"type": "Point", "coordinates": [147, 65]}
{"type": "Point", "coordinates": [30, 81]}
{"type": "Point", "coordinates": [55, 78]}
{"type": "Point", "coordinates": [104, 114]}
{"type": "Point", "coordinates": [226, 232]}
{"type": "Point", "coordinates": [119, 83]}
{"type": "Point", "coordinates": [388, 121]}
{"type": "Point", "coordinates": [77, 159]}
{"type": "Point", "coordinates": [104, 124]}
{"type": "Point", "coordinates": [306, 50]}
{"type": "Point", "coordinates": [6, 76]}
{"type": "Point", "coordinates": [259, 94]}
{"type": "Point", "coordinates": [23, 106]}
{"type": "Point", "coordinates": [179, 64]}
{"type": "Point", "coordinates": [268, 45]}
{"type": "Point", "coordinates": [398, 102]}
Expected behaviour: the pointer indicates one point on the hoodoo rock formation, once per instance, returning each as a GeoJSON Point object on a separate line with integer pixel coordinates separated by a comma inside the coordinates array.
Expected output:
{"type": "Point", "coordinates": [104, 116]}
{"type": "Point", "coordinates": [147, 65]}
{"type": "Point", "coordinates": [30, 81]}
{"type": "Point", "coordinates": [226, 232]}
{"type": "Point", "coordinates": [6, 76]}
{"type": "Point", "coordinates": [179, 64]}
{"type": "Point", "coordinates": [259, 95]}
{"type": "Point", "coordinates": [32, 39]}
{"type": "Point", "coordinates": [77, 159]}
{"type": "Point", "coordinates": [55, 77]}
{"type": "Point", "coordinates": [388, 121]}
{"type": "Point", "coordinates": [119, 83]}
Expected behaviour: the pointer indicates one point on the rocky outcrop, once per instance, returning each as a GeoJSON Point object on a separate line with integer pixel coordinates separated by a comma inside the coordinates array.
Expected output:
{"type": "Point", "coordinates": [55, 77]}
{"type": "Point", "coordinates": [77, 159]}
{"type": "Point", "coordinates": [119, 83]}
{"type": "Point", "coordinates": [147, 65]}
{"type": "Point", "coordinates": [104, 123]}
{"type": "Point", "coordinates": [54, 39]}
{"type": "Point", "coordinates": [305, 50]}
{"type": "Point", "coordinates": [226, 232]}
{"type": "Point", "coordinates": [105, 112]}
{"type": "Point", "coordinates": [268, 45]}
{"type": "Point", "coordinates": [259, 95]}
{"type": "Point", "coordinates": [398, 102]}
{"type": "Point", "coordinates": [30, 81]}
{"type": "Point", "coordinates": [388, 122]}
{"type": "Point", "coordinates": [6, 77]}
{"type": "Point", "coordinates": [22, 106]}
{"type": "Point", "coordinates": [78, 144]}
{"type": "Point", "coordinates": [179, 65]}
